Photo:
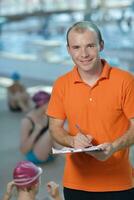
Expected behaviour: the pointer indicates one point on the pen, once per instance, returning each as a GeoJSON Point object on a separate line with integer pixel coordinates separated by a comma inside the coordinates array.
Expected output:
{"type": "Point", "coordinates": [79, 129]}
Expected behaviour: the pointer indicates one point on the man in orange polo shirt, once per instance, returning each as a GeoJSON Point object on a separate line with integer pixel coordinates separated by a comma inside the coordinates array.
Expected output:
{"type": "Point", "coordinates": [97, 100]}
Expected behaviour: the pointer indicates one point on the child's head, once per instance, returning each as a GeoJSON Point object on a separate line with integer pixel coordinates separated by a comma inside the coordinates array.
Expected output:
{"type": "Point", "coordinates": [40, 98]}
{"type": "Point", "coordinates": [15, 76]}
{"type": "Point", "coordinates": [26, 174]}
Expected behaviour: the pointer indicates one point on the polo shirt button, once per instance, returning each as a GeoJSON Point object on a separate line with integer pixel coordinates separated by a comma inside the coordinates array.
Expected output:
{"type": "Point", "coordinates": [90, 99]}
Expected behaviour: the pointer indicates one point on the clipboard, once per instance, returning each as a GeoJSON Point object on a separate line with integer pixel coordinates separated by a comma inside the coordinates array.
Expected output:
{"type": "Point", "coordinates": [65, 150]}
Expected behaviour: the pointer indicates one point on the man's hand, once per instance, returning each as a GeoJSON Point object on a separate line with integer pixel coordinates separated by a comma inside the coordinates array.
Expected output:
{"type": "Point", "coordinates": [81, 140]}
{"type": "Point", "coordinates": [105, 152]}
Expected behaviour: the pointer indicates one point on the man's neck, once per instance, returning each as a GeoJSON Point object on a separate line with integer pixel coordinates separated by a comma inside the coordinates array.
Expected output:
{"type": "Point", "coordinates": [91, 77]}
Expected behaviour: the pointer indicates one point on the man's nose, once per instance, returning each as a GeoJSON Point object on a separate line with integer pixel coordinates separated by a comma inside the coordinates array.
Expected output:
{"type": "Point", "coordinates": [84, 52]}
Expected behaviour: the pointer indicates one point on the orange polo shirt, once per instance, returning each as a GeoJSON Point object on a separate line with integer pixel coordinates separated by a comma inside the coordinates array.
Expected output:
{"type": "Point", "coordinates": [102, 111]}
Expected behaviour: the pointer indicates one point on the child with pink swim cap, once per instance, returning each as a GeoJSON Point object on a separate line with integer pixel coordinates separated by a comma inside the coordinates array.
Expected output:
{"type": "Point", "coordinates": [26, 179]}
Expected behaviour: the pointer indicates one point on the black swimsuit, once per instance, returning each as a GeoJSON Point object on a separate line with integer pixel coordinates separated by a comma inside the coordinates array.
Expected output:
{"type": "Point", "coordinates": [42, 131]}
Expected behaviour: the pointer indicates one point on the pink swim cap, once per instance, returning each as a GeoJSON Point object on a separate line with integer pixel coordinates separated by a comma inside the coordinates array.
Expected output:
{"type": "Point", "coordinates": [40, 98]}
{"type": "Point", "coordinates": [26, 174]}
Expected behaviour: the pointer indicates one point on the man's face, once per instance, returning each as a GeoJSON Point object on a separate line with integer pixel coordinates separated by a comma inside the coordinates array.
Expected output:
{"type": "Point", "coordinates": [84, 48]}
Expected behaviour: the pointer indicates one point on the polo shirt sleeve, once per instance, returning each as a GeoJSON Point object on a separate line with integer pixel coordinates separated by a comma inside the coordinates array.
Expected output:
{"type": "Point", "coordinates": [56, 103]}
{"type": "Point", "coordinates": [128, 99]}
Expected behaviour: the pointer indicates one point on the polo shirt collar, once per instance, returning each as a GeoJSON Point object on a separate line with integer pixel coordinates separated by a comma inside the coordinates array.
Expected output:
{"type": "Point", "coordinates": [104, 74]}
{"type": "Point", "coordinates": [106, 69]}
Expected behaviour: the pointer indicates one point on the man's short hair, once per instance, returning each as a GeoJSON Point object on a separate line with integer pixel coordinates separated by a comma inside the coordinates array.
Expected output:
{"type": "Point", "coordinates": [82, 26]}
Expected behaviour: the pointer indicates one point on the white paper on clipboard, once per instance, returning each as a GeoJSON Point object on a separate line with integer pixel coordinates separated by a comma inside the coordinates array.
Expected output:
{"type": "Point", "coordinates": [73, 150]}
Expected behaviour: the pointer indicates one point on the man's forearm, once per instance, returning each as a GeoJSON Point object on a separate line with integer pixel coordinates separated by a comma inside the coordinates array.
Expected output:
{"type": "Point", "coordinates": [61, 136]}
{"type": "Point", "coordinates": [126, 140]}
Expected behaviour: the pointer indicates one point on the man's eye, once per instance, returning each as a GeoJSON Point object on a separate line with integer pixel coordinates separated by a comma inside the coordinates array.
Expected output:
{"type": "Point", "coordinates": [76, 47]}
{"type": "Point", "coordinates": [91, 45]}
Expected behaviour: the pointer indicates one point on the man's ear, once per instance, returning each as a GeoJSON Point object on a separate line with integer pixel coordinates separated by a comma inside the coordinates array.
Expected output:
{"type": "Point", "coordinates": [101, 45]}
